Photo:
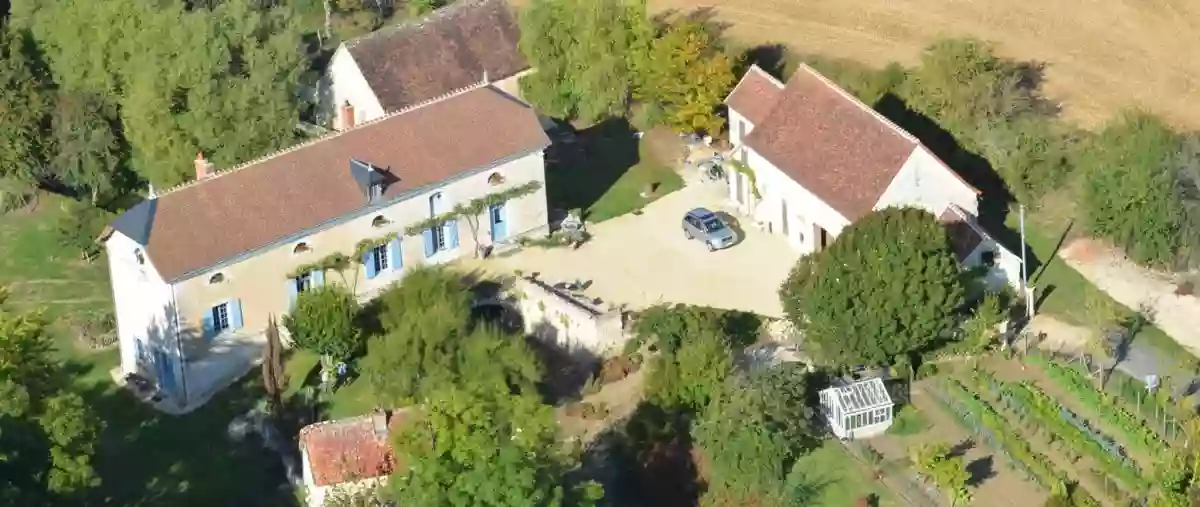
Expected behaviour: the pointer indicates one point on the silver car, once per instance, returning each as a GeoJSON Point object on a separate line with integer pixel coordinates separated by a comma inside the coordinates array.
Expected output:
{"type": "Point", "coordinates": [706, 226]}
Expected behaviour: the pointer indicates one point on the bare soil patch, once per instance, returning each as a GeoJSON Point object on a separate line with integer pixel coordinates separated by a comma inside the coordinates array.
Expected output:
{"type": "Point", "coordinates": [1100, 57]}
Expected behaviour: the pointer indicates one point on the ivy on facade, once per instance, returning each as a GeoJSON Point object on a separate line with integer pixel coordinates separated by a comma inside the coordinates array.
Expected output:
{"type": "Point", "coordinates": [738, 166]}
{"type": "Point", "coordinates": [474, 207]}
{"type": "Point", "coordinates": [336, 261]}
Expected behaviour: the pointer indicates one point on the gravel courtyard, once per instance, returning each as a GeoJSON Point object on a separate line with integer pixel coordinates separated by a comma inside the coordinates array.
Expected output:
{"type": "Point", "coordinates": [642, 260]}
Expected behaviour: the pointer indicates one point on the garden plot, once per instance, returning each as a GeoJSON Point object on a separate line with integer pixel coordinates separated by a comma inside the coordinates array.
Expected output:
{"type": "Point", "coordinates": [993, 483]}
{"type": "Point", "coordinates": [1051, 420]}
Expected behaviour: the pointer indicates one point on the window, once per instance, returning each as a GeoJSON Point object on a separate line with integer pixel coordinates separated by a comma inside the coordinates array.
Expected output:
{"type": "Point", "coordinates": [376, 191]}
{"type": "Point", "coordinates": [216, 278]}
{"type": "Point", "coordinates": [303, 282]}
{"type": "Point", "coordinates": [300, 248]}
{"type": "Point", "coordinates": [220, 317]}
{"type": "Point", "coordinates": [989, 258]}
{"type": "Point", "coordinates": [141, 258]}
{"type": "Point", "coordinates": [380, 255]}
{"type": "Point", "coordinates": [380, 221]}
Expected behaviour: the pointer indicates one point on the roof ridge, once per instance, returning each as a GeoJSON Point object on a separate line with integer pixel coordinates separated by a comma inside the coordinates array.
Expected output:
{"type": "Point", "coordinates": [433, 16]}
{"type": "Point", "coordinates": [861, 105]}
{"type": "Point", "coordinates": [295, 147]}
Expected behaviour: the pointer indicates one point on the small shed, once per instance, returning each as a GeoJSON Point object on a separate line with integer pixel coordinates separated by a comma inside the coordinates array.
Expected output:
{"type": "Point", "coordinates": [862, 409]}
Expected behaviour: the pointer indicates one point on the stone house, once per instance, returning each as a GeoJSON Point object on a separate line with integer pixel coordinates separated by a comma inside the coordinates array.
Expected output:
{"type": "Point", "coordinates": [815, 159]}
{"type": "Point", "coordinates": [197, 270]}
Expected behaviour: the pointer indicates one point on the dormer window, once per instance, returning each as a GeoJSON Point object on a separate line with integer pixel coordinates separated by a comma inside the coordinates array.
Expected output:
{"type": "Point", "coordinates": [380, 221]}
{"type": "Point", "coordinates": [139, 256]}
{"type": "Point", "coordinates": [376, 191]}
{"type": "Point", "coordinates": [495, 179]}
{"type": "Point", "coordinates": [216, 278]}
{"type": "Point", "coordinates": [300, 248]}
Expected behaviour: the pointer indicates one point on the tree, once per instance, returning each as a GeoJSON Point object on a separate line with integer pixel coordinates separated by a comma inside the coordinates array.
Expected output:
{"type": "Point", "coordinates": [691, 377]}
{"type": "Point", "coordinates": [585, 52]}
{"type": "Point", "coordinates": [687, 75]}
{"type": "Point", "coordinates": [1129, 195]}
{"type": "Point", "coordinates": [889, 285]}
{"type": "Point", "coordinates": [745, 457]}
{"type": "Point", "coordinates": [782, 392]}
{"type": "Point", "coordinates": [79, 226]}
{"type": "Point", "coordinates": [232, 91]}
{"type": "Point", "coordinates": [468, 447]}
{"type": "Point", "coordinates": [49, 433]}
{"type": "Point", "coordinates": [1187, 188]}
{"type": "Point", "coordinates": [87, 150]}
{"type": "Point", "coordinates": [25, 102]}
{"type": "Point", "coordinates": [430, 342]}
{"type": "Point", "coordinates": [323, 322]}
{"type": "Point", "coordinates": [980, 329]}
{"type": "Point", "coordinates": [949, 473]}
{"type": "Point", "coordinates": [273, 373]}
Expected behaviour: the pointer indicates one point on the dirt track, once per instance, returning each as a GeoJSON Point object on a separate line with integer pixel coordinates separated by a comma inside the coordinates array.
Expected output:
{"type": "Point", "coordinates": [1101, 55]}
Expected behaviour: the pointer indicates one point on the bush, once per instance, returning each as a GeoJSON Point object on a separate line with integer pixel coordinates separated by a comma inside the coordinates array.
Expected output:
{"type": "Point", "coordinates": [323, 322]}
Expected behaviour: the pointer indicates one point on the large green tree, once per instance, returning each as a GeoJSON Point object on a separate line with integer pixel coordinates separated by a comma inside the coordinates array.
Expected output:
{"type": "Point", "coordinates": [687, 75]}
{"type": "Point", "coordinates": [1130, 193]}
{"type": "Point", "coordinates": [25, 102]}
{"type": "Point", "coordinates": [87, 149]}
{"type": "Point", "coordinates": [323, 321]}
{"type": "Point", "coordinates": [429, 341]}
{"type": "Point", "coordinates": [889, 285]}
{"type": "Point", "coordinates": [483, 448]}
{"type": "Point", "coordinates": [585, 53]}
{"type": "Point", "coordinates": [47, 433]}
{"type": "Point", "coordinates": [745, 457]}
{"type": "Point", "coordinates": [222, 80]}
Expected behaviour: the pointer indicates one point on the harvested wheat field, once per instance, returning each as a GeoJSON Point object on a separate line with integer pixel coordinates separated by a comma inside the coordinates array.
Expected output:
{"type": "Point", "coordinates": [1100, 55]}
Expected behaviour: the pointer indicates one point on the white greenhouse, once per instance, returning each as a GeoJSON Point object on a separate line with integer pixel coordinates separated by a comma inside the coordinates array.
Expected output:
{"type": "Point", "coordinates": [862, 409]}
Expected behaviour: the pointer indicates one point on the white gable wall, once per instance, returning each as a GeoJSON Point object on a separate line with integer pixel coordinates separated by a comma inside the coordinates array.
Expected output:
{"type": "Point", "coordinates": [925, 182]}
{"type": "Point", "coordinates": [739, 127]}
{"type": "Point", "coordinates": [347, 84]}
{"type": "Point", "coordinates": [144, 306]}
{"type": "Point", "coordinates": [804, 209]}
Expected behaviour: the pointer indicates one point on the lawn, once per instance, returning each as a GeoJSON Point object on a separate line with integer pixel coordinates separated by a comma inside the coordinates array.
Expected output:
{"type": "Point", "coordinates": [604, 172]}
{"type": "Point", "coordinates": [836, 478]}
{"type": "Point", "coordinates": [42, 275]}
{"type": "Point", "coordinates": [908, 422]}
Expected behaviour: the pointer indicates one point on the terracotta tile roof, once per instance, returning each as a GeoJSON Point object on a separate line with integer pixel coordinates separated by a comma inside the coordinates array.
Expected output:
{"type": "Point", "coordinates": [831, 144]}
{"type": "Point", "coordinates": [353, 449]}
{"type": "Point", "coordinates": [755, 95]}
{"type": "Point", "coordinates": [448, 49]}
{"type": "Point", "coordinates": [293, 192]}
{"type": "Point", "coordinates": [965, 234]}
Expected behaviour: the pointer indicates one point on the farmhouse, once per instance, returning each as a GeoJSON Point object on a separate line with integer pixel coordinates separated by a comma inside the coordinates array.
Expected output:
{"type": "Point", "coordinates": [396, 67]}
{"type": "Point", "coordinates": [811, 159]}
{"type": "Point", "coordinates": [197, 270]}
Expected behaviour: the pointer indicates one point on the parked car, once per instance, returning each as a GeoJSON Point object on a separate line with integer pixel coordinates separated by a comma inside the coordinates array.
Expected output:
{"type": "Point", "coordinates": [706, 226]}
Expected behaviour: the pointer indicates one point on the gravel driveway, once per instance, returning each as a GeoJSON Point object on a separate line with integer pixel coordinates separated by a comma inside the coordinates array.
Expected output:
{"type": "Point", "coordinates": [642, 260]}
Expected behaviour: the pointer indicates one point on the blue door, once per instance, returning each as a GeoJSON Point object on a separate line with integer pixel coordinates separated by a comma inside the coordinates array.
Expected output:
{"type": "Point", "coordinates": [164, 369]}
{"type": "Point", "coordinates": [499, 221]}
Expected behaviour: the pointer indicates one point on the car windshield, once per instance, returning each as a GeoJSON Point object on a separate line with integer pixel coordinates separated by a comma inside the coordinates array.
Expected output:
{"type": "Point", "coordinates": [713, 224]}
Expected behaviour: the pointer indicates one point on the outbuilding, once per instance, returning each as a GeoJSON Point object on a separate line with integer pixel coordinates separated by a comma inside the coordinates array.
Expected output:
{"type": "Point", "coordinates": [862, 409]}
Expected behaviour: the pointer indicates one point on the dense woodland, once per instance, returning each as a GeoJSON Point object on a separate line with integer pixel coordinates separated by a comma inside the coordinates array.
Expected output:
{"type": "Point", "coordinates": [99, 100]}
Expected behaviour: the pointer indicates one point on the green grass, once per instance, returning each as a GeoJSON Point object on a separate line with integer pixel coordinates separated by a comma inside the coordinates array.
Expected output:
{"type": "Point", "coordinates": [908, 422]}
{"type": "Point", "coordinates": [1074, 299]}
{"type": "Point", "coordinates": [347, 401]}
{"type": "Point", "coordinates": [41, 275]}
{"type": "Point", "coordinates": [604, 173]}
{"type": "Point", "coordinates": [835, 478]}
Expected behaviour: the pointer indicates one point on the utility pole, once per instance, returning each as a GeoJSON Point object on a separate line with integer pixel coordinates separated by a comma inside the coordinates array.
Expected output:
{"type": "Point", "coordinates": [1026, 290]}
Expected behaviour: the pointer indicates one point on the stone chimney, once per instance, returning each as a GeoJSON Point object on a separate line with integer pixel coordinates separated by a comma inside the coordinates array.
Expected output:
{"type": "Point", "coordinates": [347, 113]}
{"type": "Point", "coordinates": [379, 424]}
{"type": "Point", "coordinates": [204, 168]}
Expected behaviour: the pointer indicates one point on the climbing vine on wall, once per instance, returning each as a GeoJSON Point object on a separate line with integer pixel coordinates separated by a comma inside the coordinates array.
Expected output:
{"type": "Point", "coordinates": [473, 208]}
{"type": "Point", "coordinates": [336, 261]}
{"type": "Point", "coordinates": [749, 173]}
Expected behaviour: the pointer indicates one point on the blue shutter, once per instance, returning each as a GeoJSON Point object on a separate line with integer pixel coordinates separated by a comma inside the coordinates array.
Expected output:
{"type": "Point", "coordinates": [452, 233]}
{"type": "Point", "coordinates": [235, 314]}
{"type": "Point", "coordinates": [207, 330]}
{"type": "Point", "coordinates": [368, 260]}
{"type": "Point", "coordinates": [290, 287]}
{"type": "Point", "coordinates": [430, 248]}
{"type": "Point", "coordinates": [394, 254]}
{"type": "Point", "coordinates": [318, 278]}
